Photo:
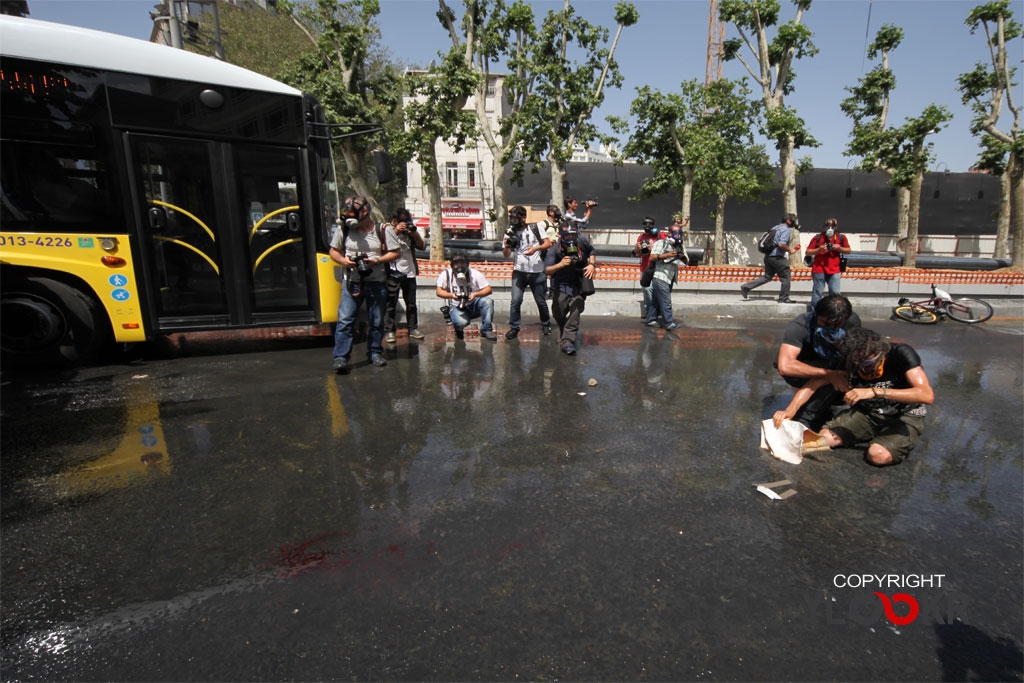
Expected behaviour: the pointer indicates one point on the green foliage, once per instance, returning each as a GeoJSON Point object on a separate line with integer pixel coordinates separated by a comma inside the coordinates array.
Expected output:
{"type": "Point", "coordinates": [254, 38]}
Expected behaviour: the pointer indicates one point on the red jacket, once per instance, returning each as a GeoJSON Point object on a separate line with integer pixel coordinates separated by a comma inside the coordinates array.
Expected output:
{"type": "Point", "coordinates": [827, 261]}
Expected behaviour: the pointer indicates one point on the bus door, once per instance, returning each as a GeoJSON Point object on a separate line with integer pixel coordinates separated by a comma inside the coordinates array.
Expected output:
{"type": "Point", "coordinates": [222, 234]}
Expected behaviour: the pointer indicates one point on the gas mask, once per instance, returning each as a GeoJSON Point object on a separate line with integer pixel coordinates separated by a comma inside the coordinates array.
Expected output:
{"type": "Point", "coordinates": [353, 211]}
{"type": "Point", "coordinates": [460, 268]}
{"type": "Point", "coordinates": [830, 232]}
{"type": "Point", "coordinates": [649, 226]}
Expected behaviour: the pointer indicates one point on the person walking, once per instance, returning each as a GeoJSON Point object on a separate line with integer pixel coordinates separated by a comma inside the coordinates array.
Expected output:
{"type": "Point", "coordinates": [776, 260]}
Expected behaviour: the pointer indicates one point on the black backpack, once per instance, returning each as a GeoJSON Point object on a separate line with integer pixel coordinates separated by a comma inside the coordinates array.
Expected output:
{"type": "Point", "coordinates": [766, 242]}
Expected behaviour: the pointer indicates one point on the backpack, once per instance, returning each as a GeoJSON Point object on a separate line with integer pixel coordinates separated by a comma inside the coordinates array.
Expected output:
{"type": "Point", "coordinates": [766, 242]}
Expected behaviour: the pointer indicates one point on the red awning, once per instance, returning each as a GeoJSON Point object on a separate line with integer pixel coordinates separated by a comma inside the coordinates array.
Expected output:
{"type": "Point", "coordinates": [453, 223]}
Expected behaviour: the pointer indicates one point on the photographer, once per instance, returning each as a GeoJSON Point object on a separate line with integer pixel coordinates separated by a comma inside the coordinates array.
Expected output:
{"type": "Point", "coordinates": [642, 248]}
{"type": "Point", "coordinates": [364, 249]}
{"type": "Point", "coordinates": [776, 260]}
{"type": "Point", "coordinates": [572, 217]}
{"type": "Point", "coordinates": [569, 262]}
{"type": "Point", "coordinates": [529, 243]}
{"type": "Point", "coordinates": [402, 274]}
{"type": "Point", "coordinates": [667, 254]}
{"type": "Point", "coordinates": [826, 248]}
{"type": "Point", "coordinates": [469, 295]}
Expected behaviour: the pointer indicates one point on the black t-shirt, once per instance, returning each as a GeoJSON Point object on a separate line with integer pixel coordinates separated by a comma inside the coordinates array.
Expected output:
{"type": "Point", "coordinates": [798, 333]}
{"type": "Point", "coordinates": [898, 361]}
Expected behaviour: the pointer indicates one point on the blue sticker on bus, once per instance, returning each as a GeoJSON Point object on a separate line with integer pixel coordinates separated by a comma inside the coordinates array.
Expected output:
{"type": "Point", "coordinates": [120, 295]}
{"type": "Point", "coordinates": [149, 441]}
{"type": "Point", "coordinates": [117, 280]}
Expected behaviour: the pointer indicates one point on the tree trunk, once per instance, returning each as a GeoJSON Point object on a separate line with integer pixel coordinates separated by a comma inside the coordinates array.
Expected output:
{"type": "Point", "coordinates": [719, 230]}
{"type": "Point", "coordinates": [500, 200]}
{"type": "Point", "coordinates": [902, 212]}
{"type": "Point", "coordinates": [557, 181]}
{"type": "Point", "coordinates": [357, 177]}
{"type": "Point", "coordinates": [1003, 222]}
{"type": "Point", "coordinates": [1015, 170]}
{"type": "Point", "coordinates": [788, 166]}
{"type": "Point", "coordinates": [913, 218]}
{"type": "Point", "coordinates": [432, 181]}
{"type": "Point", "coordinates": [796, 259]}
{"type": "Point", "coordinates": [685, 207]}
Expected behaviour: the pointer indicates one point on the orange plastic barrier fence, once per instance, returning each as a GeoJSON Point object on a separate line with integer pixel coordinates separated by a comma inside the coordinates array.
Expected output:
{"type": "Point", "coordinates": [631, 272]}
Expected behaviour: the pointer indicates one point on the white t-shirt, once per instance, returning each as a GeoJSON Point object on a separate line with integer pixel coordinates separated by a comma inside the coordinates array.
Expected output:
{"type": "Point", "coordinates": [475, 280]}
{"type": "Point", "coordinates": [533, 263]}
{"type": "Point", "coordinates": [406, 263]}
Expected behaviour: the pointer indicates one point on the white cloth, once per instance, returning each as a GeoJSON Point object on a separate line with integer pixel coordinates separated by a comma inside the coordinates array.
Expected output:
{"type": "Point", "coordinates": [786, 442]}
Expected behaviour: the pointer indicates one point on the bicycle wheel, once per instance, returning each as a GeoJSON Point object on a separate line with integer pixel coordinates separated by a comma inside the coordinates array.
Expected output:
{"type": "Point", "coordinates": [915, 314]}
{"type": "Point", "coordinates": [968, 310]}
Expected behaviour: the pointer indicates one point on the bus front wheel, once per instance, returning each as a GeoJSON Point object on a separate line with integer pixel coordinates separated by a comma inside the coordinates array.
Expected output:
{"type": "Point", "coordinates": [46, 321]}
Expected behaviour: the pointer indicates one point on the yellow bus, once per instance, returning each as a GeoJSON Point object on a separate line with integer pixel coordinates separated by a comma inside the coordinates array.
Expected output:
{"type": "Point", "coordinates": [147, 190]}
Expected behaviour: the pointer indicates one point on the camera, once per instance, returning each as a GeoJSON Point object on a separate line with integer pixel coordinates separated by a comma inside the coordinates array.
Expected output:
{"type": "Point", "coordinates": [410, 225]}
{"type": "Point", "coordinates": [363, 269]}
{"type": "Point", "coordinates": [590, 203]}
{"type": "Point", "coordinates": [511, 239]}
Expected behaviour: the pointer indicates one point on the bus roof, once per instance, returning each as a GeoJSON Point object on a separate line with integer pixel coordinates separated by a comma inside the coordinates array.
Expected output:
{"type": "Point", "coordinates": [46, 41]}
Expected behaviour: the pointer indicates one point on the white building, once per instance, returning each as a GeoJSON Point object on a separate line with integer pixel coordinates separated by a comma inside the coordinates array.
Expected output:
{"type": "Point", "coordinates": [467, 182]}
{"type": "Point", "coordinates": [602, 155]}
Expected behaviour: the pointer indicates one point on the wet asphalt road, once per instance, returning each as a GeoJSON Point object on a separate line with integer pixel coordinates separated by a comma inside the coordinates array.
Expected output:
{"type": "Point", "coordinates": [480, 511]}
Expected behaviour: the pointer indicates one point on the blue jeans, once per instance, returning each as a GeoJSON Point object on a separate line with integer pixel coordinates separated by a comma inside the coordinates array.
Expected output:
{"type": "Point", "coordinates": [536, 282]}
{"type": "Point", "coordinates": [375, 294]}
{"type": "Point", "coordinates": [648, 293]}
{"type": "Point", "coordinates": [482, 308]}
{"type": "Point", "coordinates": [661, 302]}
{"type": "Point", "coordinates": [819, 286]}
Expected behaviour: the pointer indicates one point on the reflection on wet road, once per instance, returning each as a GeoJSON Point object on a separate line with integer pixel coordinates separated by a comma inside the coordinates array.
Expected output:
{"type": "Point", "coordinates": [493, 511]}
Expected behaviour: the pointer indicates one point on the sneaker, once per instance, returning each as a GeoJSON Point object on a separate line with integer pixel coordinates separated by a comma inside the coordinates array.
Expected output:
{"type": "Point", "coordinates": [489, 335]}
{"type": "Point", "coordinates": [651, 323]}
{"type": "Point", "coordinates": [546, 328]}
{"type": "Point", "coordinates": [390, 338]}
{"type": "Point", "coordinates": [569, 350]}
{"type": "Point", "coordinates": [340, 366]}
{"type": "Point", "coordinates": [378, 360]}
{"type": "Point", "coordinates": [672, 326]}
{"type": "Point", "coordinates": [459, 334]}
{"type": "Point", "coordinates": [512, 333]}
{"type": "Point", "coordinates": [415, 334]}
{"type": "Point", "coordinates": [746, 292]}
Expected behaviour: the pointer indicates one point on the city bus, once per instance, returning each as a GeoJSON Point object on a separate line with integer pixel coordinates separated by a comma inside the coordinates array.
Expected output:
{"type": "Point", "coordinates": [147, 190]}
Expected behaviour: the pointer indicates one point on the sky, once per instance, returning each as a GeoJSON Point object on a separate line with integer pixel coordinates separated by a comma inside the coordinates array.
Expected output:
{"type": "Point", "coordinates": [669, 45]}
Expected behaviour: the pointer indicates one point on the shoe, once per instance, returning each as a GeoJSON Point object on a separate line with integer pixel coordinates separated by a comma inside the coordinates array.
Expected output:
{"type": "Point", "coordinates": [546, 328]}
{"type": "Point", "coordinates": [746, 293]}
{"type": "Point", "coordinates": [569, 350]}
{"type": "Point", "coordinates": [672, 326]}
{"type": "Point", "coordinates": [651, 323]}
{"type": "Point", "coordinates": [512, 333]}
{"type": "Point", "coordinates": [788, 301]}
{"type": "Point", "coordinates": [390, 338]}
{"type": "Point", "coordinates": [415, 334]}
{"type": "Point", "coordinates": [459, 334]}
{"type": "Point", "coordinates": [489, 335]}
{"type": "Point", "coordinates": [378, 360]}
{"type": "Point", "coordinates": [340, 366]}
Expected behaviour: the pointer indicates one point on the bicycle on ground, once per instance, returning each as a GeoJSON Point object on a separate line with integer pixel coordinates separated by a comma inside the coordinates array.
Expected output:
{"type": "Point", "coordinates": [942, 305]}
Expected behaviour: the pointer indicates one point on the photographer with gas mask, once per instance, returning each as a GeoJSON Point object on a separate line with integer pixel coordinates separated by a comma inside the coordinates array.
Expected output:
{"type": "Point", "coordinates": [571, 265]}
{"type": "Point", "coordinates": [826, 248]}
{"type": "Point", "coordinates": [667, 255]}
{"type": "Point", "coordinates": [528, 242]}
{"type": "Point", "coordinates": [776, 259]}
{"type": "Point", "coordinates": [402, 274]}
{"type": "Point", "coordinates": [364, 249]}
{"type": "Point", "coordinates": [469, 296]}
{"type": "Point", "coordinates": [642, 248]}
{"type": "Point", "coordinates": [810, 350]}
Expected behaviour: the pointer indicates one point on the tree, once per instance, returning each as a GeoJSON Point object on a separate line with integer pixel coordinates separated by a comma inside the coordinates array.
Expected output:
{"type": "Point", "coordinates": [774, 74]}
{"type": "Point", "coordinates": [902, 152]}
{"type": "Point", "coordinates": [435, 110]}
{"type": "Point", "coordinates": [558, 116]}
{"type": "Point", "coordinates": [489, 33]}
{"type": "Point", "coordinates": [253, 38]}
{"type": "Point", "coordinates": [337, 72]}
{"type": "Point", "coordinates": [985, 89]}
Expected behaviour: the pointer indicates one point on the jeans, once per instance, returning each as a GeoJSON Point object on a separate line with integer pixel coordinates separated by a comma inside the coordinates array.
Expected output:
{"type": "Point", "coordinates": [566, 308]}
{"type": "Point", "coordinates": [482, 308]}
{"type": "Point", "coordinates": [407, 286]}
{"type": "Point", "coordinates": [375, 295]}
{"type": "Point", "coordinates": [536, 282]}
{"type": "Point", "coordinates": [661, 302]}
{"type": "Point", "coordinates": [774, 265]}
{"type": "Point", "coordinates": [820, 279]}
{"type": "Point", "coordinates": [648, 293]}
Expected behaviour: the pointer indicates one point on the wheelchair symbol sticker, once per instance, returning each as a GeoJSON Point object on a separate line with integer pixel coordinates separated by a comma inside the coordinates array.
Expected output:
{"type": "Point", "coordinates": [117, 280]}
{"type": "Point", "coordinates": [120, 295]}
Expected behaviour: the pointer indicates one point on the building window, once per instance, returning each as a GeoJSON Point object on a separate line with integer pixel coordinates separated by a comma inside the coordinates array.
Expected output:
{"type": "Point", "coordinates": [452, 178]}
{"type": "Point", "coordinates": [490, 89]}
{"type": "Point", "coordinates": [471, 174]}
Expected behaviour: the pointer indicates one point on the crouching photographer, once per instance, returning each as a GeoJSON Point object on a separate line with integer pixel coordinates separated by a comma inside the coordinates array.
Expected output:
{"type": "Point", "coordinates": [528, 242]}
{"type": "Point", "coordinates": [469, 296]}
{"type": "Point", "coordinates": [667, 254]}
{"type": "Point", "coordinates": [571, 265]}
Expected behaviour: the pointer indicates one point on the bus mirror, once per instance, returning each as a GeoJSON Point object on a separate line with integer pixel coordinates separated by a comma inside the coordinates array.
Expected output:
{"type": "Point", "coordinates": [382, 160]}
{"type": "Point", "coordinates": [157, 219]}
{"type": "Point", "coordinates": [293, 222]}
